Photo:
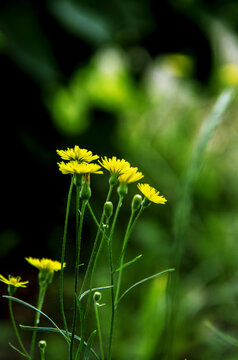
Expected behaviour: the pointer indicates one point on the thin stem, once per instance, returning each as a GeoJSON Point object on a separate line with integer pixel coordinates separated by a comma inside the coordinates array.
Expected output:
{"type": "Point", "coordinates": [61, 291]}
{"type": "Point", "coordinates": [16, 330]}
{"type": "Point", "coordinates": [78, 248]}
{"type": "Point", "coordinates": [96, 305]}
{"type": "Point", "coordinates": [42, 352]}
{"type": "Point", "coordinates": [112, 275]}
{"type": "Point", "coordinates": [126, 238]}
{"type": "Point", "coordinates": [94, 250]}
{"type": "Point", "coordinates": [129, 229]}
{"type": "Point", "coordinates": [94, 267]}
{"type": "Point", "coordinates": [41, 297]}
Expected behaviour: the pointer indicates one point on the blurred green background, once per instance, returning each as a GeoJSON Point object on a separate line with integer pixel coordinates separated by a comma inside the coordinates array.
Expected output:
{"type": "Point", "coordinates": [135, 79]}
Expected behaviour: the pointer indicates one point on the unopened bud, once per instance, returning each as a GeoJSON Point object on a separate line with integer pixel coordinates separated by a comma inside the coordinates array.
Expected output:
{"type": "Point", "coordinates": [42, 344]}
{"type": "Point", "coordinates": [108, 209]}
{"type": "Point", "coordinates": [136, 202]}
{"type": "Point", "coordinates": [86, 192]}
{"type": "Point", "coordinates": [97, 296]}
{"type": "Point", "coordinates": [122, 189]}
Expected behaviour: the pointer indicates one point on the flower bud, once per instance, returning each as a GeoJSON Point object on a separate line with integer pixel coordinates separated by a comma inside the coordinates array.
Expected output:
{"type": "Point", "coordinates": [42, 344]}
{"type": "Point", "coordinates": [136, 202]}
{"type": "Point", "coordinates": [86, 192]}
{"type": "Point", "coordinates": [108, 209]}
{"type": "Point", "coordinates": [97, 296]}
{"type": "Point", "coordinates": [122, 189]}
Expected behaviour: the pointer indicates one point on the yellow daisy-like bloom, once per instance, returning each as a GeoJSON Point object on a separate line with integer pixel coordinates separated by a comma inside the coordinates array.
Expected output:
{"type": "Point", "coordinates": [45, 264]}
{"type": "Point", "coordinates": [77, 154]}
{"type": "Point", "coordinates": [115, 166]}
{"type": "Point", "coordinates": [14, 281]}
{"type": "Point", "coordinates": [130, 176]}
{"type": "Point", "coordinates": [73, 167]}
{"type": "Point", "coordinates": [151, 194]}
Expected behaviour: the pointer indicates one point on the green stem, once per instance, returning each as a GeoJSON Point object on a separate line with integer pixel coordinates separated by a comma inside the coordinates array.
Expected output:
{"type": "Point", "coordinates": [78, 248]}
{"type": "Point", "coordinates": [99, 329]}
{"type": "Point", "coordinates": [129, 229]}
{"type": "Point", "coordinates": [94, 267]}
{"type": "Point", "coordinates": [16, 330]}
{"type": "Point", "coordinates": [94, 250]}
{"type": "Point", "coordinates": [112, 275]}
{"type": "Point", "coordinates": [41, 297]}
{"type": "Point", "coordinates": [42, 352]}
{"type": "Point", "coordinates": [63, 257]}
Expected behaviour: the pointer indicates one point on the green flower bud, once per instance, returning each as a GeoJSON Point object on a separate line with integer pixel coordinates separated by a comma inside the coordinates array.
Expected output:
{"type": "Point", "coordinates": [122, 189]}
{"type": "Point", "coordinates": [108, 209]}
{"type": "Point", "coordinates": [136, 202]}
{"type": "Point", "coordinates": [42, 344]}
{"type": "Point", "coordinates": [85, 192]}
{"type": "Point", "coordinates": [97, 296]}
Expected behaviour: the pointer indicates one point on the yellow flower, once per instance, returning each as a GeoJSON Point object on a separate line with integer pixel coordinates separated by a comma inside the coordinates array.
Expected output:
{"type": "Point", "coordinates": [130, 176]}
{"type": "Point", "coordinates": [14, 281]}
{"type": "Point", "coordinates": [115, 166]}
{"type": "Point", "coordinates": [45, 264]}
{"type": "Point", "coordinates": [151, 194]}
{"type": "Point", "coordinates": [77, 154]}
{"type": "Point", "coordinates": [73, 167]}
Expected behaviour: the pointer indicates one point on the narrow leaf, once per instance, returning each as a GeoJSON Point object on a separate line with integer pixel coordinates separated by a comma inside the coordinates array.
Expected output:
{"type": "Point", "coordinates": [129, 263]}
{"type": "Point", "coordinates": [49, 329]}
{"type": "Point", "coordinates": [34, 308]}
{"type": "Point", "coordinates": [225, 337]}
{"type": "Point", "coordinates": [89, 345]}
{"type": "Point", "coordinates": [95, 289]}
{"type": "Point", "coordinates": [142, 281]}
{"type": "Point", "coordinates": [19, 351]}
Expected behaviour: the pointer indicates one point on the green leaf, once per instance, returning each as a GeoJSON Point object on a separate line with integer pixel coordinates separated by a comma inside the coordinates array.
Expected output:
{"type": "Point", "coordinates": [129, 263]}
{"type": "Point", "coordinates": [142, 281]}
{"type": "Point", "coordinates": [34, 308]}
{"type": "Point", "coordinates": [95, 289]}
{"type": "Point", "coordinates": [49, 329]}
{"type": "Point", "coordinates": [89, 345]}
{"type": "Point", "coordinates": [19, 351]}
{"type": "Point", "coordinates": [225, 337]}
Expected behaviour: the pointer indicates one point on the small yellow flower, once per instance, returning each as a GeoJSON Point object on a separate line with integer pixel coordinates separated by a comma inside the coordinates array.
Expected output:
{"type": "Point", "coordinates": [77, 154]}
{"type": "Point", "coordinates": [115, 166]}
{"type": "Point", "coordinates": [45, 264]}
{"type": "Point", "coordinates": [130, 176]}
{"type": "Point", "coordinates": [151, 194]}
{"type": "Point", "coordinates": [73, 167]}
{"type": "Point", "coordinates": [14, 281]}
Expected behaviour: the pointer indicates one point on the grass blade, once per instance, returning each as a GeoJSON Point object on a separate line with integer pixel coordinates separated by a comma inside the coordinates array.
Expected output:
{"type": "Point", "coordinates": [129, 263]}
{"type": "Point", "coordinates": [19, 351]}
{"type": "Point", "coordinates": [34, 308]}
{"type": "Point", "coordinates": [225, 337]}
{"type": "Point", "coordinates": [95, 289]}
{"type": "Point", "coordinates": [183, 212]}
{"type": "Point", "coordinates": [142, 281]}
{"type": "Point", "coordinates": [54, 330]}
{"type": "Point", "coordinates": [89, 345]}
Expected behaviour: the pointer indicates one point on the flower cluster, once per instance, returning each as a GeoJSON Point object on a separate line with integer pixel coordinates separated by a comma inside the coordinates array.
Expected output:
{"type": "Point", "coordinates": [120, 171]}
